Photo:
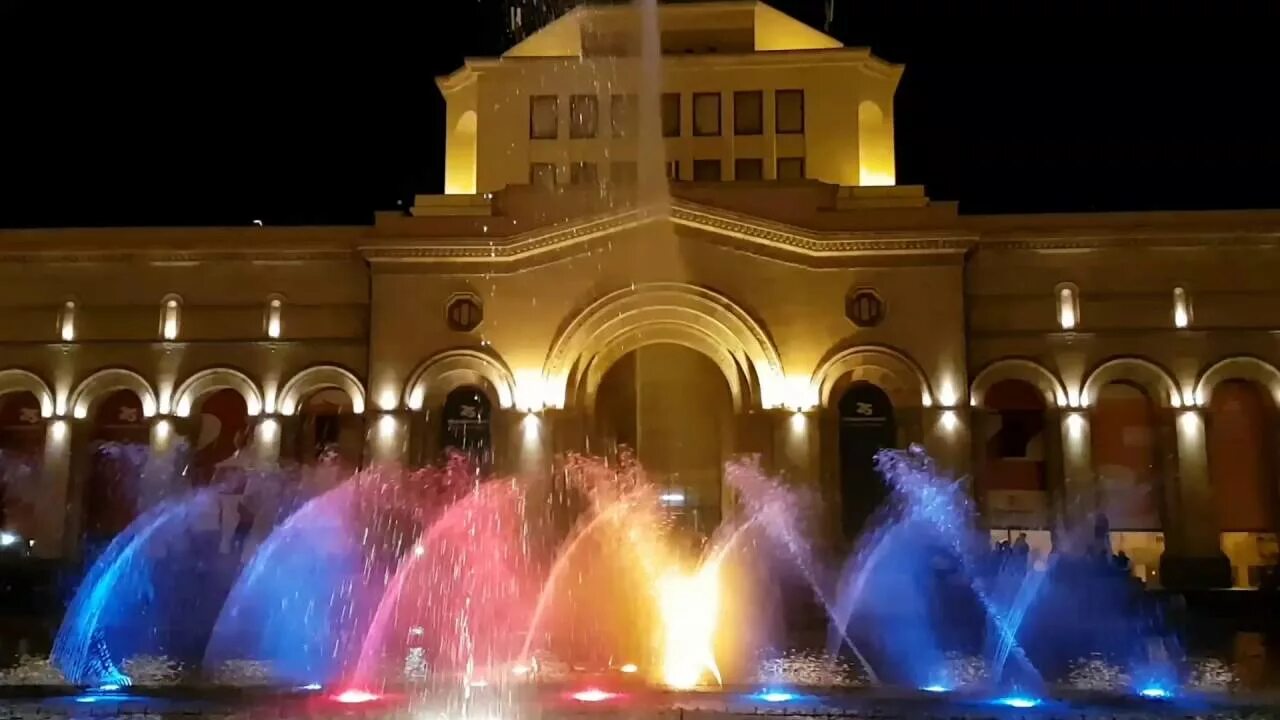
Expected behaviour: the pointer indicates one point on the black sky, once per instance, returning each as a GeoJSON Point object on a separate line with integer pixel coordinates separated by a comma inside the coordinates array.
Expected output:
{"type": "Point", "coordinates": [220, 113]}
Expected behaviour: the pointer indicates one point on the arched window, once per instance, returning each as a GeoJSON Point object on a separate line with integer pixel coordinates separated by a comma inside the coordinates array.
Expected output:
{"type": "Point", "coordinates": [1068, 306]}
{"type": "Point", "coordinates": [67, 321]}
{"type": "Point", "coordinates": [170, 317]}
{"type": "Point", "coordinates": [272, 319]}
{"type": "Point", "coordinates": [465, 426]}
{"type": "Point", "coordinates": [113, 496]}
{"type": "Point", "coordinates": [22, 437]}
{"type": "Point", "coordinates": [1242, 471]}
{"type": "Point", "coordinates": [1011, 425]}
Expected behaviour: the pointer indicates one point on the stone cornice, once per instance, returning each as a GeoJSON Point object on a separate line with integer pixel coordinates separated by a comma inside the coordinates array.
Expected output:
{"type": "Point", "coordinates": [1130, 239]}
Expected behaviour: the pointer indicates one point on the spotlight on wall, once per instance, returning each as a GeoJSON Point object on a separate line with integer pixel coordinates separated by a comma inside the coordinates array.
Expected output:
{"type": "Point", "coordinates": [1075, 425]}
{"type": "Point", "coordinates": [387, 426]}
{"type": "Point", "coordinates": [798, 422]}
{"type": "Point", "coordinates": [531, 426]}
{"type": "Point", "coordinates": [269, 429]}
{"type": "Point", "coordinates": [163, 428]}
{"type": "Point", "coordinates": [58, 430]}
{"type": "Point", "coordinates": [387, 400]}
{"type": "Point", "coordinates": [949, 420]}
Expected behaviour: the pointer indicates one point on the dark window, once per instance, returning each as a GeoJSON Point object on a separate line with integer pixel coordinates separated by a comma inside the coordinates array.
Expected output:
{"type": "Point", "coordinates": [748, 113]}
{"type": "Point", "coordinates": [673, 169]}
{"type": "Point", "coordinates": [583, 173]}
{"type": "Point", "coordinates": [671, 115]}
{"type": "Point", "coordinates": [623, 117]}
{"type": "Point", "coordinates": [706, 170]}
{"type": "Point", "coordinates": [584, 111]}
{"type": "Point", "coordinates": [706, 114]}
{"type": "Point", "coordinates": [544, 117]}
{"type": "Point", "coordinates": [790, 111]}
{"type": "Point", "coordinates": [464, 313]}
{"type": "Point", "coordinates": [748, 169]}
{"type": "Point", "coordinates": [623, 172]}
{"type": "Point", "coordinates": [542, 175]}
{"type": "Point", "coordinates": [791, 168]}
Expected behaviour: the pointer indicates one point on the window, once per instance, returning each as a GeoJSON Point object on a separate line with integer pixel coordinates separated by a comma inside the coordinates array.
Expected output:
{"type": "Point", "coordinates": [671, 115]}
{"type": "Point", "coordinates": [273, 320]}
{"type": "Point", "coordinates": [791, 168]}
{"type": "Point", "coordinates": [623, 117]}
{"type": "Point", "coordinates": [542, 175]}
{"type": "Point", "coordinates": [673, 169]}
{"type": "Point", "coordinates": [790, 111]}
{"type": "Point", "coordinates": [748, 113]}
{"type": "Point", "coordinates": [584, 111]}
{"type": "Point", "coordinates": [706, 114]}
{"type": "Point", "coordinates": [706, 170]}
{"type": "Point", "coordinates": [582, 173]}
{"type": "Point", "coordinates": [67, 321]}
{"type": "Point", "coordinates": [170, 317]}
{"type": "Point", "coordinates": [623, 172]}
{"type": "Point", "coordinates": [1068, 307]}
{"type": "Point", "coordinates": [464, 313]}
{"type": "Point", "coordinates": [1181, 308]}
{"type": "Point", "coordinates": [748, 169]}
{"type": "Point", "coordinates": [544, 117]}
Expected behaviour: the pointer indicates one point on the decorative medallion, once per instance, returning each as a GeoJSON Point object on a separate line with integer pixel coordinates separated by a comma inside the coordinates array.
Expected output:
{"type": "Point", "coordinates": [464, 312]}
{"type": "Point", "coordinates": [864, 307]}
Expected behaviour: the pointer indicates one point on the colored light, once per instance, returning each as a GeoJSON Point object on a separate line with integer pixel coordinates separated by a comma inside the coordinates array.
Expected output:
{"type": "Point", "coordinates": [773, 696]}
{"type": "Point", "coordinates": [672, 498]}
{"type": "Point", "coordinates": [690, 607]}
{"type": "Point", "coordinates": [935, 688]}
{"type": "Point", "coordinates": [593, 695]}
{"type": "Point", "coordinates": [1155, 692]}
{"type": "Point", "coordinates": [1021, 702]}
{"type": "Point", "coordinates": [353, 697]}
{"type": "Point", "coordinates": [629, 668]}
{"type": "Point", "coordinates": [311, 686]}
{"type": "Point", "coordinates": [479, 683]}
{"type": "Point", "coordinates": [8, 538]}
{"type": "Point", "coordinates": [108, 687]}
{"type": "Point", "coordinates": [520, 670]}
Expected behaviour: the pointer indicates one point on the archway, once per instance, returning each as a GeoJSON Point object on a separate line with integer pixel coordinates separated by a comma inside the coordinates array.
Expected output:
{"type": "Point", "coordinates": [118, 438]}
{"type": "Point", "coordinates": [466, 425]}
{"type": "Point", "coordinates": [221, 431]}
{"type": "Point", "coordinates": [1242, 470]}
{"type": "Point", "coordinates": [329, 429]}
{"type": "Point", "coordinates": [673, 407]}
{"type": "Point", "coordinates": [22, 436]}
{"type": "Point", "coordinates": [460, 173]}
{"type": "Point", "coordinates": [867, 425]}
{"type": "Point", "coordinates": [1128, 459]}
{"type": "Point", "coordinates": [1011, 425]}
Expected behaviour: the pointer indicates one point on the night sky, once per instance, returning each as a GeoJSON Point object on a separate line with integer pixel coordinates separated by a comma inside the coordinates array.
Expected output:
{"type": "Point", "coordinates": [176, 113]}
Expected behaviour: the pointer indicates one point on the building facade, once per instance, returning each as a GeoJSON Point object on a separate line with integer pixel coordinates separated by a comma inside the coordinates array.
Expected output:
{"type": "Point", "coordinates": [776, 294]}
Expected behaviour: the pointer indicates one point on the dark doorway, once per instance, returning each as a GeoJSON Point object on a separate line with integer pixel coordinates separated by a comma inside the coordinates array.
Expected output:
{"type": "Point", "coordinates": [466, 425]}
{"type": "Point", "coordinates": [866, 427]}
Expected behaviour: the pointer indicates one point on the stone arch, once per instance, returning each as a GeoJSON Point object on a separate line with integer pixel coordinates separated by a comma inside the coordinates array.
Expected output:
{"type": "Point", "coordinates": [433, 380]}
{"type": "Point", "coordinates": [695, 317]}
{"type": "Point", "coordinates": [1152, 378]}
{"type": "Point", "coordinates": [1238, 368]}
{"type": "Point", "coordinates": [320, 377]}
{"type": "Point", "coordinates": [100, 384]}
{"type": "Point", "coordinates": [460, 174]}
{"type": "Point", "coordinates": [207, 381]}
{"type": "Point", "coordinates": [1028, 371]}
{"type": "Point", "coordinates": [875, 145]}
{"type": "Point", "coordinates": [23, 381]}
{"type": "Point", "coordinates": [889, 369]}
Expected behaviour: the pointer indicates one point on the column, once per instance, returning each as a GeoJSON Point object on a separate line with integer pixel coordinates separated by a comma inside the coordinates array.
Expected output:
{"type": "Point", "coordinates": [389, 441]}
{"type": "Point", "coordinates": [1079, 498]}
{"type": "Point", "coordinates": [1193, 556]}
{"type": "Point", "coordinates": [795, 445]}
{"type": "Point", "coordinates": [56, 475]}
{"type": "Point", "coordinates": [529, 442]}
{"type": "Point", "coordinates": [946, 437]}
{"type": "Point", "coordinates": [266, 440]}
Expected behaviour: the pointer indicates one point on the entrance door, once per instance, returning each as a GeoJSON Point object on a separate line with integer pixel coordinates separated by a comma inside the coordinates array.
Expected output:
{"type": "Point", "coordinates": [866, 427]}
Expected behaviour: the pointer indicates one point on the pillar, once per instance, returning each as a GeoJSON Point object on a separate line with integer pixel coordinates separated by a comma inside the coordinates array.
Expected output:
{"type": "Point", "coordinates": [795, 446]}
{"type": "Point", "coordinates": [1079, 498]}
{"type": "Point", "coordinates": [946, 437]}
{"type": "Point", "coordinates": [266, 440]}
{"type": "Point", "coordinates": [1193, 556]}
{"type": "Point", "coordinates": [56, 475]}
{"type": "Point", "coordinates": [389, 439]}
{"type": "Point", "coordinates": [529, 443]}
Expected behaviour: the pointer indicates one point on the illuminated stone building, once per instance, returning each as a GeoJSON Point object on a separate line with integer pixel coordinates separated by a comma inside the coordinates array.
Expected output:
{"type": "Point", "coordinates": [780, 296]}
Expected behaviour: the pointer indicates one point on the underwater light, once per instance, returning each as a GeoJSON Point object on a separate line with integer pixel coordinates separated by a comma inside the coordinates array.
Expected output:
{"type": "Point", "coordinates": [1155, 692]}
{"type": "Point", "coordinates": [353, 697]}
{"type": "Point", "coordinates": [629, 668]}
{"type": "Point", "coordinates": [593, 695]}
{"type": "Point", "coordinates": [1021, 702]}
{"type": "Point", "coordinates": [108, 687]}
{"type": "Point", "coordinates": [935, 688]}
{"type": "Point", "coordinates": [312, 687]}
{"type": "Point", "coordinates": [776, 696]}
{"type": "Point", "coordinates": [520, 670]}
